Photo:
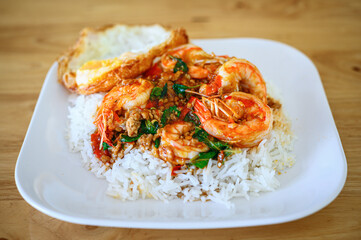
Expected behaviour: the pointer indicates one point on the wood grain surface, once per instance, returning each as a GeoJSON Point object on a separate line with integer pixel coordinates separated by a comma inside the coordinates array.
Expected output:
{"type": "Point", "coordinates": [34, 33]}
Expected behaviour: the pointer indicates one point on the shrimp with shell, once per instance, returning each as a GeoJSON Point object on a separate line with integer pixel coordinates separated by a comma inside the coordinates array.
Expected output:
{"type": "Point", "coordinates": [193, 56]}
{"type": "Point", "coordinates": [238, 118]}
{"type": "Point", "coordinates": [177, 146]}
{"type": "Point", "coordinates": [128, 96]}
{"type": "Point", "coordinates": [237, 75]}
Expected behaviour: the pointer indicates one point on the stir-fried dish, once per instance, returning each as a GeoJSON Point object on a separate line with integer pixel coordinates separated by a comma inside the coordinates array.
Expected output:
{"type": "Point", "coordinates": [189, 107]}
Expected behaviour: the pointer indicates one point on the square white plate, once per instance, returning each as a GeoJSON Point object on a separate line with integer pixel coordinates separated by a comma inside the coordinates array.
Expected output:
{"type": "Point", "coordinates": [52, 180]}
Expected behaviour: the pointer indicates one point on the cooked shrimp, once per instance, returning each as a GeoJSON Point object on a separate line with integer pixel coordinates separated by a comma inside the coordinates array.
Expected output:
{"type": "Point", "coordinates": [125, 97]}
{"type": "Point", "coordinates": [237, 75]}
{"type": "Point", "coordinates": [190, 54]}
{"type": "Point", "coordinates": [240, 119]}
{"type": "Point", "coordinates": [176, 147]}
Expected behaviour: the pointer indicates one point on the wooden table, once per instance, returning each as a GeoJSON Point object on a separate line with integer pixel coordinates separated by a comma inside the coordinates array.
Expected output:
{"type": "Point", "coordinates": [33, 34]}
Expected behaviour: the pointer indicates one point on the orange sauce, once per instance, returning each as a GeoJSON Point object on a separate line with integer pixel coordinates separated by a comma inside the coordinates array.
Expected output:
{"type": "Point", "coordinates": [95, 139]}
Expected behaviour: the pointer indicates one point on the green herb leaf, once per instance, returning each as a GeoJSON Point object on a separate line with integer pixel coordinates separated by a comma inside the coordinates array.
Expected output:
{"type": "Point", "coordinates": [148, 127]}
{"type": "Point", "coordinates": [202, 159]}
{"type": "Point", "coordinates": [167, 113]}
{"type": "Point", "coordinates": [181, 89]}
{"type": "Point", "coordinates": [156, 92]}
{"type": "Point", "coordinates": [215, 144]}
{"type": "Point", "coordinates": [219, 145]}
{"type": "Point", "coordinates": [113, 139]}
{"type": "Point", "coordinates": [156, 143]}
{"type": "Point", "coordinates": [105, 146]}
{"type": "Point", "coordinates": [228, 152]}
{"type": "Point", "coordinates": [200, 134]}
{"type": "Point", "coordinates": [193, 118]}
{"type": "Point", "coordinates": [126, 138]}
{"type": "Point", "coordinates": [164, 91]}
{"type": "Point", "coordinates": [180, 65]}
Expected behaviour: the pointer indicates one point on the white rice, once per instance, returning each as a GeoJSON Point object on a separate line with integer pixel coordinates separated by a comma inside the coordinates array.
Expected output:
{"type": "Point", "coordinates": [140, 175]}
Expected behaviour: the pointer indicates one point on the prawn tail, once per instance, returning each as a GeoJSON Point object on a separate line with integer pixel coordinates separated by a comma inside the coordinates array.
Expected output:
{"type": "Point", "coordinates": [100, 122]}
{"type": "Point", "coordinates": [211, 88]}
{"type": "Point", "coordinates": [202, 111]}
{"type": "Point", "coordinates": [103, 134]}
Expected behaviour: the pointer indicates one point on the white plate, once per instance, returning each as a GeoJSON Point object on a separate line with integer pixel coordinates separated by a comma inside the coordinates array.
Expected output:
{"type": "Point", "coordinates": [53, 181]}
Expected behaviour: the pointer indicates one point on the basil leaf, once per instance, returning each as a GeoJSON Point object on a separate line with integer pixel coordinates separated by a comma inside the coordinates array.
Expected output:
{"type": "Point", "coordinates": [180, 65]}
{"type": "Point", "coordinates": [203, 136]}
{"type": "Point", "coordinates": [156, 143]}
{"type": "Point", "coordinates": [164, 91]}
{"type": "Point", "coordinates": [156, 92]}
{"type": "Point", "coordinates": [219, 145]}
{"type": "Point", "coordinates": [105, 146]}
{"type": "Point", "coordinates": [167, 113]}
{"type": "Point", "coordinates": [228, 152]}
{"type": "Point", "coordinates": [181, 89]}
{"type": "Point", "coordinates": [114, 138]}
{"type": "Point", "coordinates": [200, 134]}
{"type": "Point", "coordinates": [126, 138]}
{"type": "Point", "coordinates": [202, 160]}
{"type": "Point", "coordinates": [193, 118]}
{"type": "Point", "coordinates": [148, 127]}
{"type": "Point", "coordinates": [215, 145]}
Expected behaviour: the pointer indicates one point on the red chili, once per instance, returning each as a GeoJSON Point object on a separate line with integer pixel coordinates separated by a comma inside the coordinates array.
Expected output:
{"type": "Point", "coordinates": [154, 71]}
{"type": "Point", "coordinates": [184, 112]}
{"type": "Point", "coordinates": [175, 168]}
{"type": "Point", "coordinates": [95, 139]}
{"type": "Point", "coordinates": [152, 103]}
